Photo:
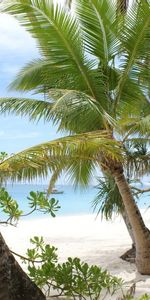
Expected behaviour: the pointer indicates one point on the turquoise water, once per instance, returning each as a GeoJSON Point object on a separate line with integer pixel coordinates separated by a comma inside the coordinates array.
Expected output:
{"type": "Point", "coordinates": [72, 201]}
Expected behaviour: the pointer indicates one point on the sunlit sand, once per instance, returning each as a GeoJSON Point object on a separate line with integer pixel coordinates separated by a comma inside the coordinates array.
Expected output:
{"type": "Point", "coordinates": [95, 241]}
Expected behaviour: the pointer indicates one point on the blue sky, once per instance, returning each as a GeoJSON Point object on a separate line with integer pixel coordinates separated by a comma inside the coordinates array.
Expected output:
{"type": "Point", "coordinates": [17, 48]}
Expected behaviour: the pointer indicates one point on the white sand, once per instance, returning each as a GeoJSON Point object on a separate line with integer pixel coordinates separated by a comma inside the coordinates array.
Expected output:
{"type": "Point", "coordinates": [94, 241]}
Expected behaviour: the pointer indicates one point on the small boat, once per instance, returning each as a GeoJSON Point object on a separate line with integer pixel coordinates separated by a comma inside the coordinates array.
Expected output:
{"type": "Point", "coordinates": [55, 191]}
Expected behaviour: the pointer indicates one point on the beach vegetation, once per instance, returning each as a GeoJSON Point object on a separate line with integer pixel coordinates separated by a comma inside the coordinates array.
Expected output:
{"type": "Point", "coordinates": [73, 278]}
{"type": "Point", "coordinates": [15, 284]}
{"type": "Point", "coordinates": [94, 74]}
{"type": "Point", "coordinates": [37, 201]}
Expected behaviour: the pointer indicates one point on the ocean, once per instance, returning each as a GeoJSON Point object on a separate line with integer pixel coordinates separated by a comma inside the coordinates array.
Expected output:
{"type": "Point", "coordinates": [72, 202]}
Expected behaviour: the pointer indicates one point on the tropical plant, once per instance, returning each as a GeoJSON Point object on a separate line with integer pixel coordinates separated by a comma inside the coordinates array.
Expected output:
{"type": "Point", "coordinates": [73, 278]}
{"type": "Point", "coordinates": [108, 200]}
{"type": "Point", "coordinates": [122, 6]}
{"type": "Point", "coordinates": [14, 282]}
{"type": "Point", "coordinates": [93, 73]}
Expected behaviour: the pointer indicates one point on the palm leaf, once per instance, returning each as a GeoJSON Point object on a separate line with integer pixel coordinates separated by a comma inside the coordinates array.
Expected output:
{"type": "Point", "coordinates": [72, 105]}
{"type": "Point", "coordinates": [60, 42]}
{"type": "Point", "coordinates": [40, 76]}
{"type": "Point", "coordinates": [55, 155]}
{"type": "Point", "coordinates": [133, 36]}
{"type": "Point", "coordinates": [137, 161]}
{"type": "Point", "coordinates": [64, 107]}
{"type": "Point", "coordinates": [80, 172]}
{"type": "Point", "coordinates": [108, 200]}
{"type": "Point", "coordinates": [34, 108]}
{"type": "Point", "coordinates": [134, 125]}
{"type": "Point", "coordinates": [97, 18]}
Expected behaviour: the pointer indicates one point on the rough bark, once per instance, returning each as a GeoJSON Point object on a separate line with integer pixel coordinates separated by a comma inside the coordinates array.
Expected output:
{"type": "Point", "coordinates": [14, 282]}
{"type": "Point", "coordinates": [128, 225]}
{"type": "Point", "coordinates": [140, 231]}
{"type": "Point", "coordinates": [130, 254]}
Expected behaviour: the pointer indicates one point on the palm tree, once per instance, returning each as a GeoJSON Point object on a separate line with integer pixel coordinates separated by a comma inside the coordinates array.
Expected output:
{"type": "Point", "coordinates": [90, 66]}
{"type": "Point", "coordinates": [108, 200]}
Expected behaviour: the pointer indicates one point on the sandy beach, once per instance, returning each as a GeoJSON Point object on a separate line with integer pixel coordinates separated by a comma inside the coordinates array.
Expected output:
{"type": "Point", "coordinates": [95, 241]}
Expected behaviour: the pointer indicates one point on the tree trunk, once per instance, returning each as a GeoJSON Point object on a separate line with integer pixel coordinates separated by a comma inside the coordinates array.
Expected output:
{"type": "Point", "coordinates": [128, 225]}
{"type": "Point", "coordinates": [140, 232]}
{"type": "Point", "coordinates": [130, 254]}
{"type": "Point", "coordinates": [14, 282]}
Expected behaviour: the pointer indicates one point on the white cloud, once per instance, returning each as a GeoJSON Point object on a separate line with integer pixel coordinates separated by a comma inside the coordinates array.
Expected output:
{"type": "Point", "coordinates": [17, 48]}
{"type": "Point", "coordinates": [13, 36]}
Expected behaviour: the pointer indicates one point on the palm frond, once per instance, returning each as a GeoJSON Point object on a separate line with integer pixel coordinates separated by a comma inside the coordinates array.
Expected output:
{"type": "Point", "coordinates": [108, 200]}
{"type": "Point", "coordinates": [134, 34]}
{"type": "Point", "coordinates": [97, 19]}
{"type": "Point", "coordinates": [60, 42]}
{"type": "Point", "coordinates": [72, 105]}
{"type": "Point", "coordinates": [54, 155]}
{"type": "Point", "coordinates": [122, 6]}
{"type": "Point", "coordinates": [137, 162]}
{"type": "Point", "coordinates": [64, 107]}
{"type": "Point", "coordinates": [34, 74]}
{"type": "Point", "coordinates": [134, 125]}
{"type": "Point", "coordinates": [40, 76]}
{"type": "Point", "coordinates": [80, 172]}
{"type": "Point", "coordinates": [34, 108]}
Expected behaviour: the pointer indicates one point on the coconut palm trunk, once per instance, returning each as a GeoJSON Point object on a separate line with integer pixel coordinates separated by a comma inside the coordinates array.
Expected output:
{"type": "Point", "coordinates": [14, 283]}
{"type": "Point", "coordinates": [130, 254]}
{"type": "Point", "coordinates": [141, 232]}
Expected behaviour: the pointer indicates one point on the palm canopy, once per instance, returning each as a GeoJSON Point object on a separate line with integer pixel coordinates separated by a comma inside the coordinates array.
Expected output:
{"type": "Point", "coordinates": [92, 70]}
{"type": "Point", "coordinates": [89, 51]}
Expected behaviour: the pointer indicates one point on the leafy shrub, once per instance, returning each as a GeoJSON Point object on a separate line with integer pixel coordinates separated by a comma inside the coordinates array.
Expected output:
{"type": "Point", "coordinates": [72, 278]}
{"type": "Point", "coordinates": [38, 201]}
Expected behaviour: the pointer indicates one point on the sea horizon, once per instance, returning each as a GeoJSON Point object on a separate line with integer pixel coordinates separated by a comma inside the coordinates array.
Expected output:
{"type": "Point", "coordinates": [73, 201]}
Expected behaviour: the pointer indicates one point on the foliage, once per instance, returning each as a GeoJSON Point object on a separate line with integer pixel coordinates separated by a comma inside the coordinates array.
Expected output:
{"type": "Point", "coordinates": [38, 201]}
{"type": "Point", "coordinates": [9, 206]}
{"type": "Point", "coordinates": [72, 278]}
{"type": "Point", "coordinates": [92, 69]}
{"type": "Point", "coordinates": [3, 156]}
{"type": "Point", "coordinates": [145, 297]}
{"type": "Point", "coordinates": [108, 199]}
{"type": "Point", "coordinates": [75, 155]}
